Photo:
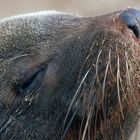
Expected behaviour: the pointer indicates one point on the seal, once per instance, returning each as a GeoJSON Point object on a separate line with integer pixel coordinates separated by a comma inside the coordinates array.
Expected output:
{"type": "Point", "coordinates": [66, 77]}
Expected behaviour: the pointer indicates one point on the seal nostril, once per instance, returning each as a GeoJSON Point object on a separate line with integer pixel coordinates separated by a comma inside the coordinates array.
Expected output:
{"type": "Point", "coordinates": [135, 30]}
{"type": "Point", "coordinates": [131, 17]}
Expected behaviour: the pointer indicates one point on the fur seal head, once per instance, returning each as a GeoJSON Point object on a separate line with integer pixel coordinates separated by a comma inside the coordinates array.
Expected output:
{"type": "Point", "coordinates": [69, 77]}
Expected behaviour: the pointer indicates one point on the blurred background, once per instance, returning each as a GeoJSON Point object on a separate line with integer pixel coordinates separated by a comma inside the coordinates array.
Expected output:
{"type": "Point", "coordinates": [82, 7]}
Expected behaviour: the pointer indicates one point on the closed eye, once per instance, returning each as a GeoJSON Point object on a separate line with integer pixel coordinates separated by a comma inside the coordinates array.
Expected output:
{"type": "Point", "coordinates": [30, 84]}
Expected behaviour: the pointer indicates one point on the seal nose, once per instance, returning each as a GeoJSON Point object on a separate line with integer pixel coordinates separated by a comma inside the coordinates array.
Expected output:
{"type": "Point", "coordinates": [131, 17]}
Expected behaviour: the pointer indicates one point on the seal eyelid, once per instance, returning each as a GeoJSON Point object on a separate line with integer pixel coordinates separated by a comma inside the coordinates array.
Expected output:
{"type": "Point", "coordinates": [32, 83]}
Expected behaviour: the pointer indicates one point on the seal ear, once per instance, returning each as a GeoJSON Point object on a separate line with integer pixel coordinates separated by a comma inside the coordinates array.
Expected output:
{"type": "Point", "coordinates": [29, 84]}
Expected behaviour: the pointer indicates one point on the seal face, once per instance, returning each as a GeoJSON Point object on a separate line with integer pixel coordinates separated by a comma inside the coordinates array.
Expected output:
{"type": "Point", "coordinates": [69, 77]}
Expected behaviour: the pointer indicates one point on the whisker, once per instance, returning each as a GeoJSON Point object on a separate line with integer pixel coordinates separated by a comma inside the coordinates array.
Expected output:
{"type": "Point", "coordinates": [12, 59]}
{"type": "Point", "coordinates": [97, 62]}
{"type": "Point", "coordinates": [103, 91]}
{"type": "Point", "coordinates": [20, 56]}
{"type": "Point", "coordinates": [123, 92]}
{"type": "Point", "coordinates": [75, 97]}
{"type": "Point", "coordinates": [137, 62]}
{"type": "Point", "coordinates": [86, 125]}
{"type": "Point", "coordinates": [88, 56]}
{"type": "Point", "coordinates": [118, 86]}
{"type": "Point", "coordinates": [92, 85]}
{"type": "Point", "coordinates": [106, 71]}
{"type": "Point", "coordinates": [110, 68]}
{"type": "Point", "coordinates": [121, 130]}
{"type": "Point", "coordinates": [82, 122]}
{"type": "Point", "coordinates": [96, 115]}
{"type": "Point", "coordinates": [128, 64]}
{"type": "Point", "coordinates": [129, 86]}
{"type": "Point", "coordinates": [68, 126]}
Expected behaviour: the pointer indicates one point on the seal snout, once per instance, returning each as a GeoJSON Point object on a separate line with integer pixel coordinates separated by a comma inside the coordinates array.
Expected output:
{"type": "Point", "coordinates": [131, 17]}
